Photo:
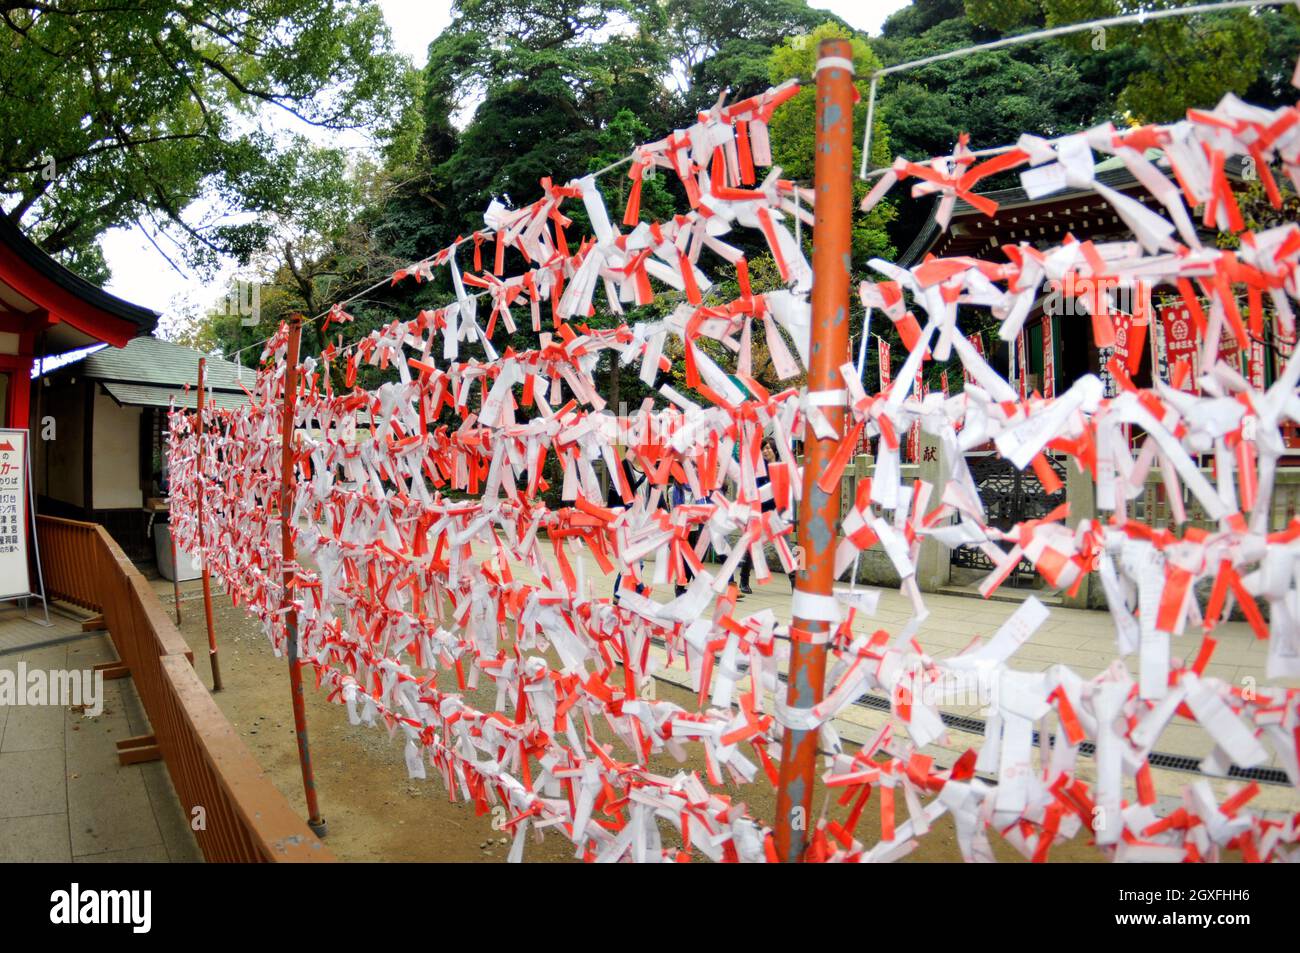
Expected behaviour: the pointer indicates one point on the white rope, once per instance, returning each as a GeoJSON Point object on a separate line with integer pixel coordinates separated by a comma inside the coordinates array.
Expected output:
{"type": "Point", "coordinates": [1048, 34]}
{"type": "Point", "coordinates": [423, 261]}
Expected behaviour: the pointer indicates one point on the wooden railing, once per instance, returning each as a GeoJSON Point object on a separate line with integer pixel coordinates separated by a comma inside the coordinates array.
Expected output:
{"type": "Point", "coordinates": [240, 815]}
{"type": "Point", "coordinates": [63, 547]}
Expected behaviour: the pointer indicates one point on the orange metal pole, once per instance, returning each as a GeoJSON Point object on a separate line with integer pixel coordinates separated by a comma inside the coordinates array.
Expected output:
{"type": "Point", "coordinates": [819, 512]}
{"type": "Point", "coordinates": [314, 819]}
{"type": "Point", "coordinates": [207, 581]}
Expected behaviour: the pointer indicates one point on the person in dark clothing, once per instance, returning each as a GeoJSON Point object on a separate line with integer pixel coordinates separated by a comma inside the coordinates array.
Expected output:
{"type": "Point", "coordinates": [614, 501]}
{"type": "Point", "coordinates": [747, 564]}
{"type": "Point", "coordinates": [679, 495]}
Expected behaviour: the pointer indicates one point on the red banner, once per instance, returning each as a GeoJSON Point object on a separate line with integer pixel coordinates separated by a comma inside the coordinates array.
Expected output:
{"type": "Point", "coordinates": [1049, 359]}
{"type": "Point", "coordinates": [1285, 349]}
{"type": "Point", "coordinates": [883, 353]}
{"type": "Point", "coordinates": [914, 432]}
{"type": "Point", "coordinates": [1181, 344]}
{"type": "Point", "coordinates": [1255, 365]}
{"type": "Point", "coordinates": [1285, 342]}
{"type": "Point", "coordinates": [1122, 328]}
{"type": "Point", "coordinates": [1229, 347]}
{"type": "Point", "coordinates": [977, 342]}
{"type": "Point", "coordinates": [1020, 364]}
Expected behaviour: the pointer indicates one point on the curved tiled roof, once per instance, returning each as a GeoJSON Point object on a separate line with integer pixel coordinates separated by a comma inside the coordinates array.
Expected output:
{"type": "Point", "coordinates": [1108, 172]}
{"type": "Point", "coordinates": [150, 360]}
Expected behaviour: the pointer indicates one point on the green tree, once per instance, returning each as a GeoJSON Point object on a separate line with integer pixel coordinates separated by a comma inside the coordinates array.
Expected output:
{"type": "Point", "coordinates": [1173, 64]}
{"type": "Point", "coordinates": [132, 113]}
{"type": "Point", "coordinates": [995, 96]}
{"type": "Point", "coordinates": [520, 89]}
{"type": "Point", "coordinates": [714, 46]}
{"type": "Point", "coordinates": [793, 127]}
{"type": "Point", "coordinates": [546, 82]}
{"type": "Point", "coordinates": [793, 134]}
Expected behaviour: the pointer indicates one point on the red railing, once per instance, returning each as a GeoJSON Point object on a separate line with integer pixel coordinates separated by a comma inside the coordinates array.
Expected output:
{"type": "Point", "coordinates": [68, 575]}
{"type": "Point", "coordinates": [243, 815]}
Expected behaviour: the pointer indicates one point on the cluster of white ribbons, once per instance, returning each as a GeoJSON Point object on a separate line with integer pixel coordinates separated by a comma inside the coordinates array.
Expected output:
{"type": "Point", "coordinates": [414, 503]}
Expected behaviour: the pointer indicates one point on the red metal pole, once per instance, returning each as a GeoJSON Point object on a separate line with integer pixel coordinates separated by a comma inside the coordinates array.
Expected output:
{"type": "Point", "coordinates": [314, 819]}
{"type": "Point", "coordinates": [819, 512]}
{"type": "Point", "coordinates": [207, 582]}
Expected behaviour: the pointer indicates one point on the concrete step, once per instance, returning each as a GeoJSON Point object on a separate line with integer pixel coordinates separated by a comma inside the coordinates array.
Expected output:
{"type": "Point", "coordinates": [1005, 593]}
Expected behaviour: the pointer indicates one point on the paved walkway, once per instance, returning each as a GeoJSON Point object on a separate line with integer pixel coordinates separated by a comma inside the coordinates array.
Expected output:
{"type": "Point", "coordinates": [63, 795]}
{"type": "Point", "coordinates": [191, 589]}
{"type": "Point", "coordinates": [1082, 639]}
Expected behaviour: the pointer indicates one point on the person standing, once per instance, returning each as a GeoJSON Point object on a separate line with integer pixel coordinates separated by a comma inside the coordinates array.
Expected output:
{"type": "Point", "coordinates": [762, 480]}
{"type": "Point", "coordinates": [678, 495]}
{"type": "Point", "coordinates": [614, 501]}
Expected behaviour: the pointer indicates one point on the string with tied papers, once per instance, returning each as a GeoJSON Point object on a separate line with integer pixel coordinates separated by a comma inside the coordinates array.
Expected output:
{"type": "Point", "coordinates": [415, 505]}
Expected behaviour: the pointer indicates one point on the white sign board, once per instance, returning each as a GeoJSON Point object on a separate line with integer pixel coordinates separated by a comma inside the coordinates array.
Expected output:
{"type": "Point", "coordinates": [15, 579]}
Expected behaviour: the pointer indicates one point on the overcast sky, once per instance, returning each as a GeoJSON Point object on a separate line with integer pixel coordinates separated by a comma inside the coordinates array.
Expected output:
{"type": "Point", "coordinates": [142, 276]}
{"type": "Point", "coordinates": [416, 22]}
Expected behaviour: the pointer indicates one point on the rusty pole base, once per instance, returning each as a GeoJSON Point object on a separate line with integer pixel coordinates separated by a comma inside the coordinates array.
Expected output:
{"type": "Point", "coordinates": [318, 827]}
{"type": "Point", "coordinates": [212, 637]}
{"type": "Point", "coordinates": [216, 670]}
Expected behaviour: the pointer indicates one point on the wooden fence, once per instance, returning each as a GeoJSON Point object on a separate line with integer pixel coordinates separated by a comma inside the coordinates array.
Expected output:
{"type": "Point", "coordinates": [244, 817]}
{"type": "Point", "coordinates": [64, 548]}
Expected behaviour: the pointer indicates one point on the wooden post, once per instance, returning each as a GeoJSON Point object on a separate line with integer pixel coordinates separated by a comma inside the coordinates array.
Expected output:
{"type": "Point", "coordinates": [207, 582]}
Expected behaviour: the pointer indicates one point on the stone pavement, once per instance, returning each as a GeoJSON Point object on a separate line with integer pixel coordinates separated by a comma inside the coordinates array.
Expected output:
{"type": "Point", "coordinates": [1082, 639]}
{"type": "Point", "coordinates": [63, 795]}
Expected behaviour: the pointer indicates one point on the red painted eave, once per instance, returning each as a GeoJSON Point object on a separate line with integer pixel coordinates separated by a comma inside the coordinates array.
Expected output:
{"type": "Point", "coordinates": [65, 296]}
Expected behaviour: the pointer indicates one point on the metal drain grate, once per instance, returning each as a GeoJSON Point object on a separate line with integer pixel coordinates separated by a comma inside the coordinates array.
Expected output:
{"type": "Point", "coordinates": [1157, 759]}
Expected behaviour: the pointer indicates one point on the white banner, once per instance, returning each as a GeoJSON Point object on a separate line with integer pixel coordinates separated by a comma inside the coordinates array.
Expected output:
{"type": "Point", "coordinates": [15, 579]}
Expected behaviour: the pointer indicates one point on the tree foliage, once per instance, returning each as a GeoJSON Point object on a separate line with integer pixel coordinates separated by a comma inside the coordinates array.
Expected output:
{"type": "Point", "coordinates": [1172, 64]}
{"type": "Point", "coordinates": [1148, 72]}
{"type": "Point", "coordinates": [793, 128]}
{"type": "Point", "coordinates": [1039, 87]}
{"type": "Point", "coordinates": [132, 113]}
{"type": "Point", "coordinates": [517, 90]}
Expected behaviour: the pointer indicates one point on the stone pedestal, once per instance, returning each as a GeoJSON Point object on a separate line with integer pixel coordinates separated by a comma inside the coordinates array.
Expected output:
{"type": "Point", "coordinates": [1081, 494]}
{"type": "Point", "coordinates": [934, 562]}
